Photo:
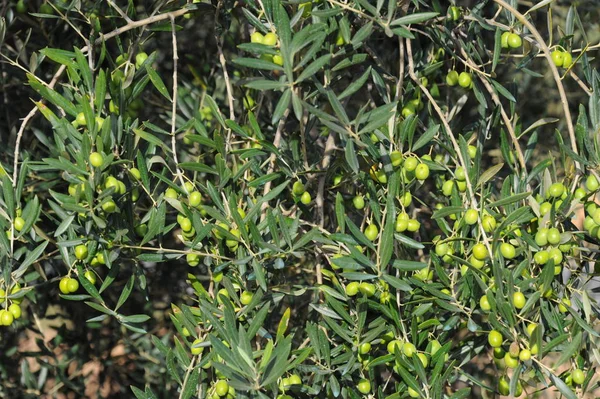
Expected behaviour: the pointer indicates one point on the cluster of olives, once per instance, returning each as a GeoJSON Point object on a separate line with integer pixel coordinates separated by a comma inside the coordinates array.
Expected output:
{"type": "Point", "coordinates": [463, 79]}
{"type": "Point", "coordinates": [69, 285]}
{"type": "Point", "coordinates": [222, 389]}
{"type": "Point", "coordinates": [412, 106]}
{"type": "Point", "coordinates": [412, 167]}
{"type": "Point", "coordinates": [460, 181]}
{"type": "Point", "coordinates": [13, 310]}
{"type": "Point", "coordinates": [18, 224]}
{"type": "Point", "coordinates": [45, 8]}
{"type": "Point", "coordinates": [515, 354]}
{"type": "Point", "coordinates": [562, 58]}
{"type": "Point", "coordinates": [287, 383]}
{"type": "Point", "coordinates": [510, 40]}
{"type": "Point", "coordinates": [269, 39]}
{"type": "Point", "coordinates": [299, 191]}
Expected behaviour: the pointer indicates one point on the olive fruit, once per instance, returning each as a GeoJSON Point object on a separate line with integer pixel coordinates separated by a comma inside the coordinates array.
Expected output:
{"type": "Point", "coordinates": [504, 386]}
{"type": "Point", "coordinates": [394, 345]}
{"type": "Point", "coordinates": [396, 158]}
{"type": "Point", "coordinates": [294, 379]}
{"type": "Point", "coordinates": [90, 276]}
{"type": "Point", "coordinates": [358, 202]}
{"type": "Point", "coordinates": [480, 251]}
{"type": "Point", "coordinates": [298, 188]}
{"type": "Point", "coordinates": [422, 171]}
{"type": "Point", "coordinates": [465, 80]}
{"type": "Point", "coordinates": [507, 250]}
{"type": "Point", "coordinates": [6, 318]}
{"type": "Point", "coordinates": [371, 232]}
{"type": "Point", "coordinates": [63, 285]}
{"type": "Point", "coordinates": [471, 216]}
{"type": "Point", "coordinates": [510, 361]}
{"type": "Point", "coordinates": [495, 339]}
{"type": "Point", "coordinates": [171, 193]}
{"type": "Point", "coordinates": [278, 59]}
{"type": "Point", "coordinates": [21, 7]}
{"type": "Point", "coordinates": [504, 39]}
{"type": "Point", "coordinates": [578, 376]}
{"type": "Point", "coordinates": [246, 297]}
{"type": "Point", "coordinates": [257, 37]}
{"type": "Point", "coordinates": [364, 348]}
{"type": "Point", "coordinates": [196, 350]}
{"type": "Point", "coordinates": [15, 310]}
{"type": "Point", "coordinates": [195, 199]}
{"type": "Point", "coordinates": [19, 223]}
{"type": "Point", "coordinates": [193, 260]}
{"type": "Point", "coordinates": [109, 206]}
{"type": "Point", "coordinates": [567, 60]}
{"type": "Point", "coordinates": [352, 288]}
{"type": "Point", "coordinates": [514, 40]}
{"type": "Point", "coordinates": [72, 285]}
{"type": "Point", "coordinates": [222, 388]}
{"type": "Point", "coordinates": [519, 300]}
{"type": "Point", "coordinates": [409, 349]}
{"type": "Point", "coordinates": [557, 58]}
{"type": "Point", "coordinates": [591, 183]}
{"type": "Point", "coordinates": [364, 386]}
{"type": "Point", "coordinates": [305, 198]}
{"type": "Point", "coordinates": [81, 252]}
{"type": "Point", "coordinates": [410, 164]}
{"type": "Point", "coordinates": [452, 78]}
{"type": "Point", "coordinates": [270, 39]}
{"type": "Point", "coordinates": [367, 289]}
{"type": "Point", "coordinates": [96, 159]}
{"type": "Point", "coordinates": [140, 58]}
{"type": "Point", "coordinates": [484, 303]}
{"type": "Point", "coordinates": [524, 355]}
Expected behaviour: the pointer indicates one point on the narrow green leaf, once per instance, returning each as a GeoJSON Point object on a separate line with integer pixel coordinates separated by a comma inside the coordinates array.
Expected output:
{"type": "Point", "coordinates": [314, 67]}
{"type": "Point", "coordinates": [415, 18]}
{"type": "Point", "coordinates": [157, 82]}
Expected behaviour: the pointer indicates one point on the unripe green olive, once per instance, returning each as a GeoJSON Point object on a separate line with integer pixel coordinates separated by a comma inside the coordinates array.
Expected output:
{"type": "Point", "coordinates": [504, 39]}
{"type": "Point", "coordinates": [140, 58]}
{"type": "Point", "coordinates": [514, 40]}
{"type": "Point", "coordinates": [371, 232]}
{"type": "Point", "coordinates": [81, 252]}
{"type": "Point", "coordinates": [452, 78]}
{"type": "Point", "coordinates": [464, 80]}
{"type": "Point", "coordinates": [557, 57]}
{"type": "Point", "coordinates": [270, 39]}
{"type": "Point", "coordinates": [256, 37]}
{"type": "Point", "coordinates": [567, 60]}
{"type": "Point", "coordinates": [305, 198]}
{"type": "Point", "coordinates": [72, 285]}
{"type": "Point", "coordinates": [96, 159]}
{"type": "Point", "coordinates": [358, 202]}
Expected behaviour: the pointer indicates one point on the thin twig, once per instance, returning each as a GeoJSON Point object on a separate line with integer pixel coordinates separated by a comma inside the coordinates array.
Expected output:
{"type": "Point", "coordinates": [188, 372]}
{"type": "Point", "coordinates": [174, 108]}
{"type": "Point", "coordinates": [496, 99]}
{"type": "Point", "coordinates": [140, 23]}
{"type": "Point", "coordinates": [30, 115]}
{"type": "Point", "coordinates": [121, 12]}
{"type": "Point", "coordinates": [116, 32]}
{"type": "Point", "coordinates": [438, 110]}
{"type": "Point", "coordinates": [561, 90]}
{"type": "Point", "coordinates": [272, 158]}
{"type": "Point", "coordinates": [229, 89]}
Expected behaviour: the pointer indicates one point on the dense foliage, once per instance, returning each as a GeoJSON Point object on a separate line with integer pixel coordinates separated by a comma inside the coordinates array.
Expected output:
{"type": "Point", "coordinates": [293, 199]}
